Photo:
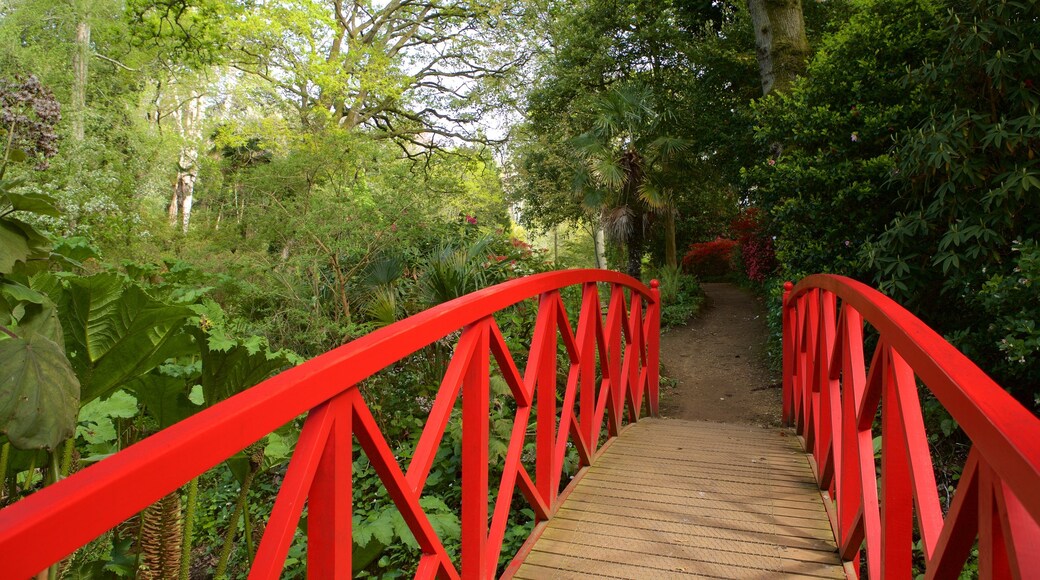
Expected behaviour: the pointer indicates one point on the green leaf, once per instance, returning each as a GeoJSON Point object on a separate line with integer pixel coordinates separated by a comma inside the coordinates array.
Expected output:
{"type": "Point", "coordinates": [14, 247]}
{"type": "Point", "coordinates": [33, 202]}
{"type": "Point", "coordinates": [72, 252]}
{"type": "Point", "coordinates": [364, 552]}
{"type": "Point", "coordinates": [382, 528]}
{"type": "Point", "coordinates": [118, 334]}
{"type": "Point", "coordinates": [278, 448]}
{"type": "Point", "coordinates": [120, 405]}
{"type": "Point", "coordinates": [164, 397]}
{"type": "Point", "coordinates": [228, 372]}
{"type": "Point", "coordinates": [42, 319]}
{"type": "Point", "coordinates": [39, 393]}
{"type": "Point", "coordinates": [101, 431]}
{"type": "Point", "coordinates": [219, 341]}
{"type": "Point", "coordinates": [16, 155]}
{"type": "Point", "coordinates": [21, 293]}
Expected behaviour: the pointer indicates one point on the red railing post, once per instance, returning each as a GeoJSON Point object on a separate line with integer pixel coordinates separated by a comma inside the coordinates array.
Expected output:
{"type": "Point", "coordinates": [475, 417]}
{"type": "Point", "coordinates": [787, 339]}
{"type": "Point", "coordinates": [653, 357]}
{"type": "Point", "coordinates": [545, 396]}
{"type": "Point", "coordinates": [329, 542]}
{"type": "Point", "coordinates": [588, 323]}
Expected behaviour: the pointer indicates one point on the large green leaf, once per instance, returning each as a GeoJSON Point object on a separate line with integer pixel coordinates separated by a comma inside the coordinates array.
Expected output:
{"type": "Point", "coordinates": [115, 332]}
{"type": "Point", "coordinates": [95, 418]}
{"type": "Point", "coordinates": [39, 393]}
{"type": "Point", "coordinates": [41, 319]}
{"type": "Point", "coordinates": [14, 247]}
{"type": "Point", "coordinates": [40, 203]}
{"type": "Point", "coordinates": [230, 370]}
{"type": "Point", "coordinates": [165, 398]}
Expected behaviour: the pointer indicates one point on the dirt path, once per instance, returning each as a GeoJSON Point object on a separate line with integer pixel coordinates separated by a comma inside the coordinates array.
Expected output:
{"type": "Point", "coordinates": [717, 363]}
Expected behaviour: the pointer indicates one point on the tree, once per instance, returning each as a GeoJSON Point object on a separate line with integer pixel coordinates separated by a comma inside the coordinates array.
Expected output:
{"type": "Point", "coordinates": [418, 72]}
{"type": "Point", "coordinates": [686, 55]}
{"type": "Point", "coordinates": [627, 155]}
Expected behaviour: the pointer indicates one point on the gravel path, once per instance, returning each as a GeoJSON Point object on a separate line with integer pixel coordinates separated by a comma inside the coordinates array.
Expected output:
{"type": "Point", "coordinates": [717, 363]}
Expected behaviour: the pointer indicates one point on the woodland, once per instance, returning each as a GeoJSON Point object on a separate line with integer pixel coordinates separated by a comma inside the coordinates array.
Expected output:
{"type": "Point", "coordinates": [198, 194]}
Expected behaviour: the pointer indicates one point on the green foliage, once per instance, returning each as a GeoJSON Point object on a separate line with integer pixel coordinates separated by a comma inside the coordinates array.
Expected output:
{"type": "Point", "coordinates": [678, 136]}
{"type": "Point", "coordinates": [1011, 302]}
{"type": "Point", "coordinates": [681, 296]}
{"type": "Point", "coordinates": [115, 332]}
{"type": "Point", "coordinates": [825, 175]}
{"type": "Point", "coordinates": [40, 393]}
{"type": "Point", "coordinates": [970, 175]}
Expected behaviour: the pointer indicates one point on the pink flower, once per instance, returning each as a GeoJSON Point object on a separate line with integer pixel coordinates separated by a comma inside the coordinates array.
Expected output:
{"type": "Point", "coordinates": [772, 161]}
{"type": "Point", "coordinates": [471, 219]}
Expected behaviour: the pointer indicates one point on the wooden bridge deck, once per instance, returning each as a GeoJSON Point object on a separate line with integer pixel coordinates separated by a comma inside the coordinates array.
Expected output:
{"type": "Point", "coordinates": [676, 498]}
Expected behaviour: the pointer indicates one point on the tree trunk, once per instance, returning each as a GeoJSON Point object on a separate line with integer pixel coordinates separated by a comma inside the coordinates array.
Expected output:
{"type": "Point", "coordinates": [780, 42]}
{"type": "Point", "coordinates": [189, 121]}
{"type": "Point", "coordinates": [670, 259]}
{"type": "Point", "coordinates": [184, 188]}
{"type": "Point", "coordinates": [599, 242]}
{"type": "Point", "coordinates": [635, 248]}
{"type": "Point", "coordinates": [80, 58]}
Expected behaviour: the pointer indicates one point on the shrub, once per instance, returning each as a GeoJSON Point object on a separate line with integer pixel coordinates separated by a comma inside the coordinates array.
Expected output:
{"type": "Point", "coordinates": [709, 259]}
{"type": "Point", "coordinates": [756, 248]}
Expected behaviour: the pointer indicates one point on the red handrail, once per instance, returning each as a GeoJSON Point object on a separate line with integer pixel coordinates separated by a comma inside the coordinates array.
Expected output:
{"type": "Point", "coordinates": [833, 397]}
{"type": "Point", "coordinates": [54, 522]}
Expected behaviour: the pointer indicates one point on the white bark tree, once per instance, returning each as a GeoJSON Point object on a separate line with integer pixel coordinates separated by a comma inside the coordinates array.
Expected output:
{"type": "Point", "coordinates": [80, 57]}
{"type": "Point", "coordinates": [185, 109]}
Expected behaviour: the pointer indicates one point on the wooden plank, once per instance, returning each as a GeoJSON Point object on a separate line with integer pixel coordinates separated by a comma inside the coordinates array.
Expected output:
{"type": "Point", "coordinates": [806, 502]}
{"type": "Point", "coordinates": [679, 499]}
{"type": "Point", "coordinates": [790, 460]}
{"type": "Point", "coordinates": [688, 528]}
{"type": "Point", "coordinates": [566, 566]}
{"type": "Point", "coordinates": [763, 556]}
{"type": "Point", "coordinates": [716, 520]}
{"type": "Point", "coordinates": [637, 499]}
{"type": "Point", "coordinates": [739, 450]}
{"type": "Point", "coordinates": [752, 466]}
{"type": "Point", "coordinates": [732, 566]}
{"type": "Point", "coordinates": [743, 543]}
{"type": "Point", "coordinates": [645, 469]}
{"type": "Point", "coordinates": [706, 484]}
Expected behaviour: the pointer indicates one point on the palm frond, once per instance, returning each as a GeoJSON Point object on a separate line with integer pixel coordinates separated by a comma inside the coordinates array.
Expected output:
{"type": "Point", "coordinates": [668, 146]}
{"type": "Point", "coordinates": [619, 223]}
{"type": "Point", "coordinates": [608, 171]}
{"type": "Point", "coordinates": [587, 143]}
{"type": "Point", "coordinates": [384, 271]}
{"type": "Point", "coordinates": [581, 182]}
{"type": "Point", "coordinates": [594, 198]}
{"type": "Point", "coordinates": [382, 306]}
{"type": "Point", "coordinates": [654, 196]}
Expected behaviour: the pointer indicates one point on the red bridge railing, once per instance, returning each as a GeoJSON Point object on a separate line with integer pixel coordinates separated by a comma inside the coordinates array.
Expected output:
{"type": "Point", "coordinates": [837, 403]}
{"type": "Point", "coordinates": [613, 366]}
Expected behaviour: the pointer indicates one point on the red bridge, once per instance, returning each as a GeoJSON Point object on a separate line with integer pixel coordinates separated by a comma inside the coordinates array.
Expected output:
{"type": "Point", "coordinates": [653, 497]}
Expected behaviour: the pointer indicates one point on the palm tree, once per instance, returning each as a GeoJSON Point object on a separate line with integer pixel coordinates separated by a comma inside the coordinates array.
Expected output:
{"type": "Point", "coordinates": [627, 160]}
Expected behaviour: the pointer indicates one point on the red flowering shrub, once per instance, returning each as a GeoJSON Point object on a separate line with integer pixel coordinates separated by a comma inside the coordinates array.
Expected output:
{"type": "Point", "coordinates": [709, 258]}
{"type": "Point", "coordinates": [756, 248]}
